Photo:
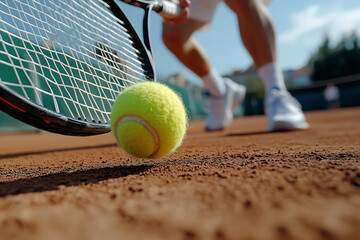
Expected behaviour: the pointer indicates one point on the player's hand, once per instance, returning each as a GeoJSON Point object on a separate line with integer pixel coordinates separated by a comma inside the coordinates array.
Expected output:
{"type": "Point", "coordinates": [184, 14]}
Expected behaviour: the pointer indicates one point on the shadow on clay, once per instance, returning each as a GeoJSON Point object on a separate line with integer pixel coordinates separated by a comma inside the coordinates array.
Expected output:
{"type": "Point", "coordinates": [258, 133]}
{"type": "Point", "coordinates": [53, 181]}
{"type": "Point", "coordinates": [14, 155]}
{"type": "Point", "coordinates": [247, 134]}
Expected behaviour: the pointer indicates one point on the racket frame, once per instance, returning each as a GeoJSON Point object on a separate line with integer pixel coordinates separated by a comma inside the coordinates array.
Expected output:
{"type": "Point", "coordinates": [33, 114]}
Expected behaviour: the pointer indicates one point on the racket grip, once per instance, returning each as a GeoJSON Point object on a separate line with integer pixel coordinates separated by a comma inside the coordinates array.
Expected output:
{"type": "Point", "coordinates": [169, 10]}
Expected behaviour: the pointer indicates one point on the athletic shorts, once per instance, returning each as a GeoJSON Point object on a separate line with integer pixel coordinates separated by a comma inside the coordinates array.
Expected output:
{"type": "Point", "coordinates": [204, 10]}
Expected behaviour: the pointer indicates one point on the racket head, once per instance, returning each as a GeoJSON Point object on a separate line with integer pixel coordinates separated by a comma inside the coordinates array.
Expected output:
{"type": "Point", "coordinates": [64, 62]}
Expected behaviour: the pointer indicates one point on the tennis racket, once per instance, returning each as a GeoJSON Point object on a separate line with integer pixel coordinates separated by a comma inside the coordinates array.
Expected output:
{"type": "Point", "coordinates": [64, 62]}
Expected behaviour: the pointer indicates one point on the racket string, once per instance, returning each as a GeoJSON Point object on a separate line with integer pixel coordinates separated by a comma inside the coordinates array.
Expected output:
{"type": "Point", "coordinates": [53, 50]}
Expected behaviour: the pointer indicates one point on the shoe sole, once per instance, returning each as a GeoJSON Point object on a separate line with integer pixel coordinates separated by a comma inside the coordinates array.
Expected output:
{"type": "Point", "coordinates": [286, 126]}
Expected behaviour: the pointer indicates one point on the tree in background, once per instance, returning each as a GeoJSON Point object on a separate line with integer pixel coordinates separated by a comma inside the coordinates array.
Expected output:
{"type": "Point", "coordinates": [338, 61]}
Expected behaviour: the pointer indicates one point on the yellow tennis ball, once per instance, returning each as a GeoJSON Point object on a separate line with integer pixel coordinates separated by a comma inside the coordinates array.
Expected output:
{"type": "Point", "coordinates": [148, 120]}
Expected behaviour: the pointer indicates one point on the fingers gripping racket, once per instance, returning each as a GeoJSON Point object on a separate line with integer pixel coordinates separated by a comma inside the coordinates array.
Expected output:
{"type": "Point", "coordinates": [64, 62]}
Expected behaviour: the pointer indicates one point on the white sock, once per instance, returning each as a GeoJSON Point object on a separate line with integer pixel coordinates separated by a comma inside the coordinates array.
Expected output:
{"type": "Point", "coordinates": [272, 76]}
{"type": "Point", "coordinates": [214, 83]}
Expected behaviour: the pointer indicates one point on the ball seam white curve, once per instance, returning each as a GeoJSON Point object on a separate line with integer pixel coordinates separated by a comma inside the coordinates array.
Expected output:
{"type": "Point", "coordinates": [146, 125]}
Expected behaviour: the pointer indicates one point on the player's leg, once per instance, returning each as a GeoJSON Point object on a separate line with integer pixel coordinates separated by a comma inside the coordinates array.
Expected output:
{"type": "Point", "coordinates": [178, 39]}
{"type": "Point", "coordinates": [225, 95]}
{"type": "Point", "coordinates": [258, 34]}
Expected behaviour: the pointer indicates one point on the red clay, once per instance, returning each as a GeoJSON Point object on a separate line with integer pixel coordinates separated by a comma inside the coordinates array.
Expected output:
{"type": "Point", "coordinates": [242, 183]}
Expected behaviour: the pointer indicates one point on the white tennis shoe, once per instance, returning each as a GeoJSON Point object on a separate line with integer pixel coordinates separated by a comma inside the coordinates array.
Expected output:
{"type": "Point", "coordinates": [284, 112]}
{"type": "Point", "coordinates": [221, 109]}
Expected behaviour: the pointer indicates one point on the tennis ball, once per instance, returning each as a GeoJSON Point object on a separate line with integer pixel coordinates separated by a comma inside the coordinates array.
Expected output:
{"type": "Point", "coordinates": [148, 120]}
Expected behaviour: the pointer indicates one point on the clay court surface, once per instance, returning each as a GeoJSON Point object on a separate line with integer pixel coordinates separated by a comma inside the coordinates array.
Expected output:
{"type": "Point", "coordinates": [242, 183]}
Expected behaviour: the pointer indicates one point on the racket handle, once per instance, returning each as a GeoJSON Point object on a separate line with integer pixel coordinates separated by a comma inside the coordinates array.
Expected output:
{"type": "Point", "coordinates": [168, 9]}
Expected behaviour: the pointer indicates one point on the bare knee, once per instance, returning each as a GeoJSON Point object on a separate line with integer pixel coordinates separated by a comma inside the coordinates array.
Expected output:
{"type": "Point", "coordinates": [173, 39]}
